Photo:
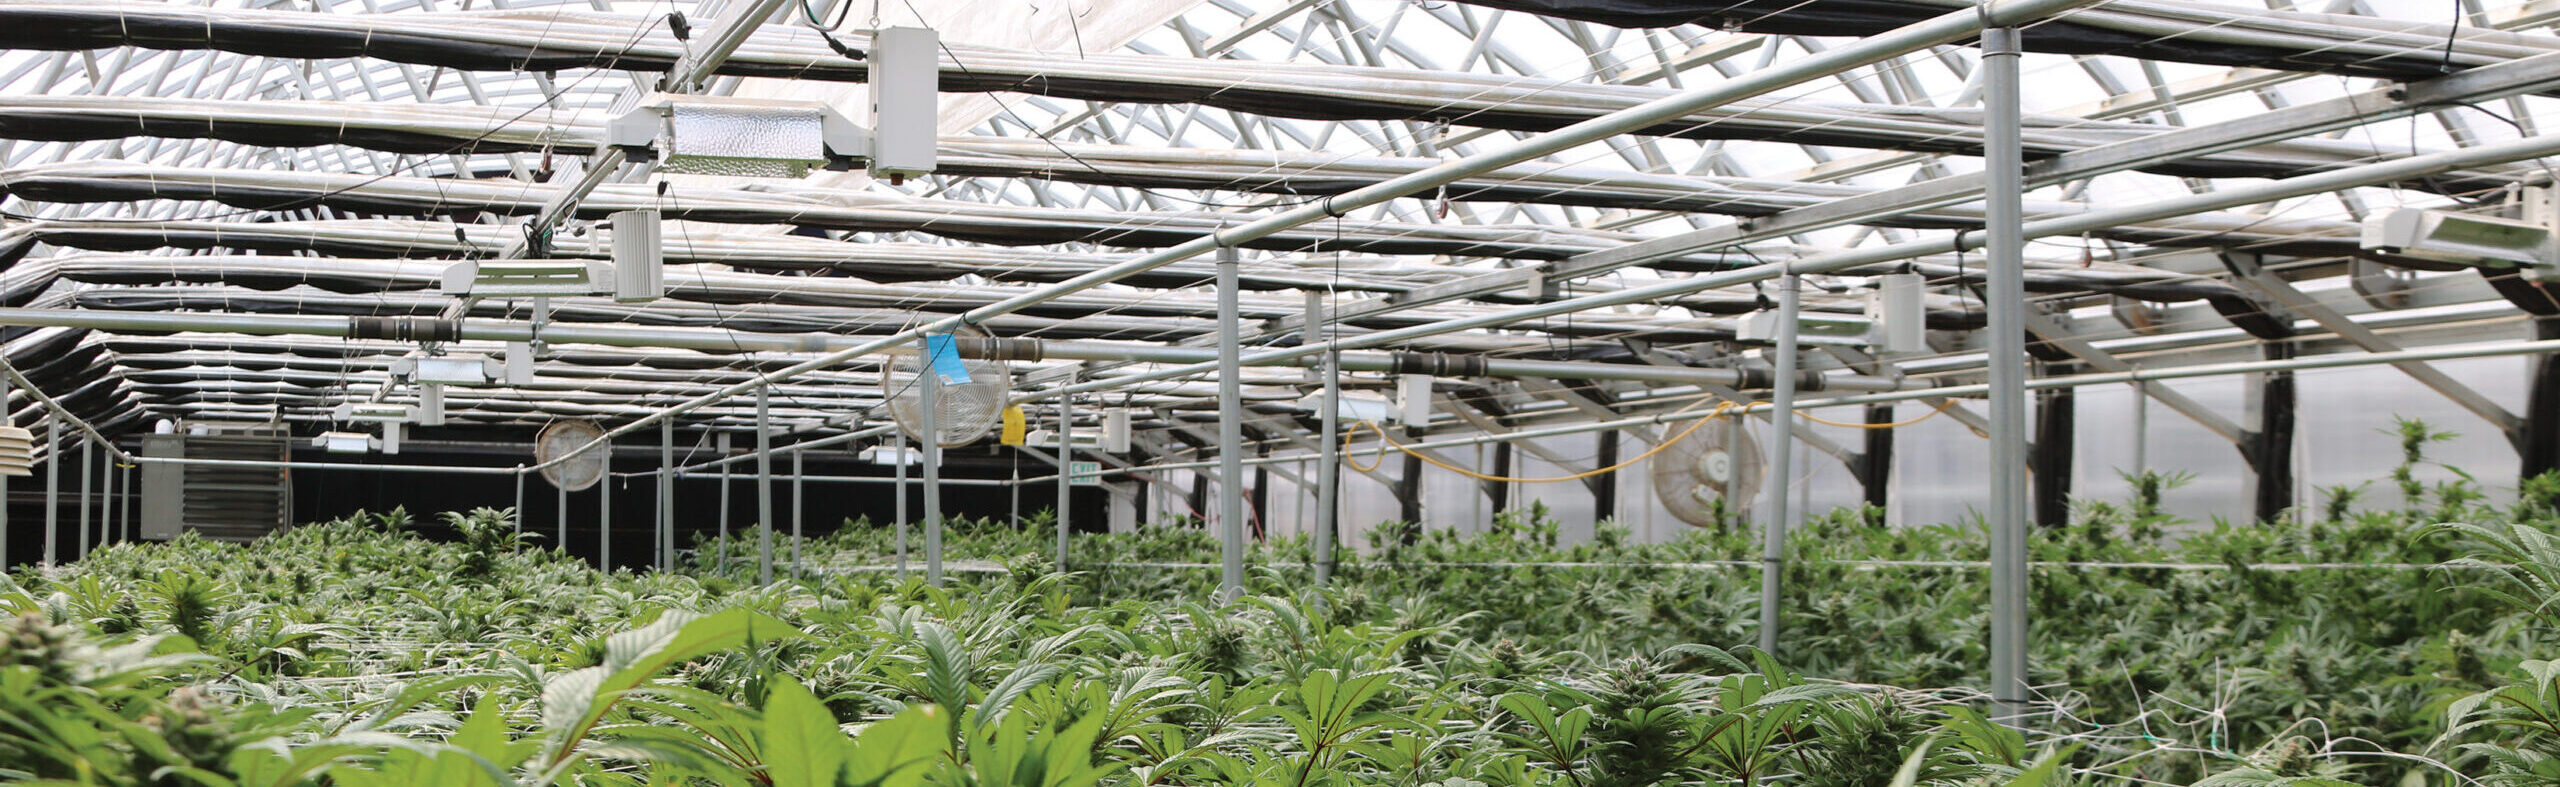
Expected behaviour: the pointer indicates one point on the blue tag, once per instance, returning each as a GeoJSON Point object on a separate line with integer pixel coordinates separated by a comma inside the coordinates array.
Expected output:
{"type": "Point", "coordinates": [946, 359]}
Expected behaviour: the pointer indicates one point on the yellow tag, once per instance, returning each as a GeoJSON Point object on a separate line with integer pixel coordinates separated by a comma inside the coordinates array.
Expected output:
{"type": "Point", "coordinates": [1013, 426]}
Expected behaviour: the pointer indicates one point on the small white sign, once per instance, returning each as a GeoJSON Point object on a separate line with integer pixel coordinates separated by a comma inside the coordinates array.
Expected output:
{"type": "Point", "coordinates": [1084, 473]}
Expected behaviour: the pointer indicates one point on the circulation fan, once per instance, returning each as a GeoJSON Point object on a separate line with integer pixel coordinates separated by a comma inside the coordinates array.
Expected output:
{"type": "Point", "coordinates": [1715, 462]}
{"type": "Point", "coordinates": [969, 410]}
{"type": "Point", "coordinates": [581, 471]}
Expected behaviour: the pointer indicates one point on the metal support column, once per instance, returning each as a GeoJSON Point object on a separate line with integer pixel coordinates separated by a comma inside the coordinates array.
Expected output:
{"type": "Point", "coordinates": [721, 441]}
{"type": "Point", "coordinates": [563, 513]}
{"type": "Point", "coordinates": [518, 511]}
{"type": "Point", "coordinates": [109, 502]}
{"type": "Point", "coordinates": [52, 489]}
{"type": "Point", "coordinates": [2270, 445]}
{"type": "Point", "coordinates": [1875, 461]}
{"type": "Point", "coordinates": [88, 492]}
{"type": "Point", "coordinates": [898, 439]}
{"type": "Point", "coordinates": [1230, 432]}
{"type": "Point", "coordinates": [665, 540]}
{"type": "Point", "coordinates": [764, 485]}
{"type": "Point", "coordinates": [1066, 476]}
{"type": "Point", "coordinates": [604, 519]}
{"type": "Point", "coordinates": [929, 411]}
{"type": "Point", "coordinates": [799, 508]}
{"type": "Point", "coordinates": [1782, 420]}
{"type": "Point", "coordinates": [1604, 487]}
{"type": "Point", "coordinates": [1329, 468]}
{"type": "Point", "coordinates": [2052, 456]}
{"type": "Point", "coordinates": [2539, 446]}
{"type": "Point", "coordinates": [2004, 245]}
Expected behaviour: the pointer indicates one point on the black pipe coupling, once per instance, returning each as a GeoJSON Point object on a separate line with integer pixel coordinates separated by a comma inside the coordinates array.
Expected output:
{"type": "Point", "coordinates": [1000, 349]}
{"type": "Point", "coordinates": [404, 329]}
{"type": "Point", "coordinates": [1437, 364]}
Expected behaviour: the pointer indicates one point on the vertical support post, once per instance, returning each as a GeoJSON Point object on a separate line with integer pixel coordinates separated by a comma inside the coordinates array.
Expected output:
{"type": "Point", "coordinates": [2270, 449]}
{"type": "Point", "coordinates": [2141, 426]}
{"type": "Point", "coordinates": [108, 503]}
{"type": "Point", "coordinates": [898, 439]}
{"type": "Point", "coordinates": [2007, 304]}
{"type": "Point", "coordinates": [52, 489]}
{"type": "Point", "coordinates": [722, 442]}
{"type": "Point", "coordinates": [518, 511]}
{"type": "Point", "coordinates": [1782, 440]}
{"type": "Point", "coordinates": [764, 485]}
{"type": "Point", "coordinates": [1604, 487]}
{"type": "Point", "coordinates": [799, 507]}
{"type": "Point", "coordinates": [1066, 459]}
{"type": "Point", "coordinates": [9, 417]}
{"type": "Point", "coordinates": [1875, 463]}
{"type": "Point", "coordinates": [1329, 468]}
{"type": "Point", "coordinates": [1230, 432]}
{"type": "Point", "coordinates": [929, 407]}
{"type": "Point", "coordinates": [2538, 445]}
{"type": "Point", "coordinates": [563, 512]}
{"type": "Point", "coordinates": [2053, 450]}
{"type": "Point", "coordinates": [665, 533]}
{"type": "Point", "coordinates": [604, 519]}
{"type": "Point", "coordinates": [88, 491]}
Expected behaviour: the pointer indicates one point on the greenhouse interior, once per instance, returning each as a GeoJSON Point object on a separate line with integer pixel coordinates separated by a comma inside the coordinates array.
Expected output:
{"type": "Point", "coordinates": [1412, 393]}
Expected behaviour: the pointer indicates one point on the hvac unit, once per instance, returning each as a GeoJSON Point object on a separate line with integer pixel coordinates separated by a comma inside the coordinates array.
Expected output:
{"type": "Point", "coordinates": [222, 502]}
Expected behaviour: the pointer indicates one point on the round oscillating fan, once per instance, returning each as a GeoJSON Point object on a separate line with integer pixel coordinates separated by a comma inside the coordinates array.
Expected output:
{"type": "Point", "coordinates": [1716, 462]}
{"type": "Point", "coordinates": [561, 437]}
{"type": "Point", "coordinates": [969, 410]}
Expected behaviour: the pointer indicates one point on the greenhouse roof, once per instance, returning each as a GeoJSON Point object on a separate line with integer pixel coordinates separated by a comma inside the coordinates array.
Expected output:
{"type": "Point", "coordinates": [200, 196]}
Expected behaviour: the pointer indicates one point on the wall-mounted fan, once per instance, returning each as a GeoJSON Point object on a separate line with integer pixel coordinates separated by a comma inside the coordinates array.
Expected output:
{"type": "Point", "coordinates": [581, 471]}
{"type": "Point", "coordinates": [969, 410]}
{"type": "Point", "coordinates": [1716, 462]}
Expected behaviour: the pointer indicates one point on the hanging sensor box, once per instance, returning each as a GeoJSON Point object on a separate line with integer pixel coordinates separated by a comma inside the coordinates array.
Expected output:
{"type": "Point", "coordinates": [454, 369]}
{"type": "Point", "coordinates": [2464, 239]}
{"type": "Point", "coordinates": [1898, 314]}
{"type": "Point", "coordinates": [1413, 399]}
{"type": "Point", "coordinates": [906, 74]}
{"type": "Point", "coordinates": [639, 257]}
{"type": "Point", "coordinates": [1115, 430]}
{"type": "Point", "coordinates": [17, 452]}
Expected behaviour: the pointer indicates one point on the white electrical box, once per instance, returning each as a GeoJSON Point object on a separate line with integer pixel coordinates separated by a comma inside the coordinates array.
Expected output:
{"type": "Point", "coordinates": [906, 78]}
{"type": "Point", "coordinates": [344, 442]}
{"type": "Point", "coordinates": [519, 365]}
{"type": "Point", "coordinates": [456, 369]}
{"type": "Point", "coordinates": [1898, 313]}
{"type": "Point", "coordinates": [639, 258]}
{"type": "Point", "coordinates": [1413, 397]}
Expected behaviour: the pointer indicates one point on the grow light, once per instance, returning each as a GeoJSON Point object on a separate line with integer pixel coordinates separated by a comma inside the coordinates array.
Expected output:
{"type": "Point", "coordinates": [527, 278]}
{"type": "Point", "coordinates": [2461, 239]}
{"type": "Point", "coordinates": [344, 442]}
{"type": "Point", "coordinates": [457, 369]}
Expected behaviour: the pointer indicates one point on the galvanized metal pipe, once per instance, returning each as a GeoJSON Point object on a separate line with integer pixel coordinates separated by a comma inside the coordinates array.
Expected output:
{"type": "Point", "coordinates": [899, 440]}
{"type": "Point", "coordinates": [799, 508]}
{"type": "Point", "coordinates": [1066, 471]}
{"type": "Point", "coordinates": [764, 485]}
{"type": "Point", "coordinates": [604, 523]}
{"type": "Point", "coordinates": [663, 538]}
{"type": "Point", "coordinates": [88, 491]}
{"type": "Point", "coordinates": [2005, 298]}
{"type": "Point", "coordinates": [52, 488]}
{"type": "Point", "coordinates": [1782, 440]}
{"type": "Point", "coordinates": [1230, 433]}
{"type": "Point", "coordinates": [929, 435]}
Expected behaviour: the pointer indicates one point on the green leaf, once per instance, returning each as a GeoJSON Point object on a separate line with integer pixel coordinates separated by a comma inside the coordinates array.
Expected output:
{"type": "Point", "coordinates": [574, 702]}
{"type": "Point", "coordinates": [895, 750]}
{"type": "Point", "coordinates": [803, 746]}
